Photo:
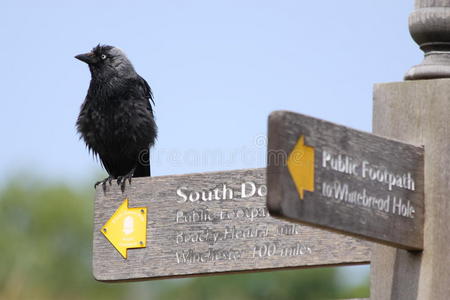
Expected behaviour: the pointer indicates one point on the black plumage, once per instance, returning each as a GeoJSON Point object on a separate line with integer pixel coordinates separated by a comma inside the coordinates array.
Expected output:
{"type": "Point", "coordinates": [116, 119]}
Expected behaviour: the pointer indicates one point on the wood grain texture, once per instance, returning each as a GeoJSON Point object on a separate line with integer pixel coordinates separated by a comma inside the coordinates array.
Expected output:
{"type": "Point", "coordinates": [332, 205]}
{"type": "Point", "coordinates": [418, 112]}
{"type": "Point", "coordinates": [232, 234]}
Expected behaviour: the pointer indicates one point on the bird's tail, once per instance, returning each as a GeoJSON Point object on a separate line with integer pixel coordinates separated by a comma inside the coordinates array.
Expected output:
{"type": "Point", "coordinates": [143, 165]}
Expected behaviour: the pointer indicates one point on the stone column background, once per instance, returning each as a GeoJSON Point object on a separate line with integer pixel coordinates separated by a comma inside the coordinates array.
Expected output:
{"type": "Point", "coordinates": [418, 112]}
{"type": "Point", "coordinates": [429, 26]}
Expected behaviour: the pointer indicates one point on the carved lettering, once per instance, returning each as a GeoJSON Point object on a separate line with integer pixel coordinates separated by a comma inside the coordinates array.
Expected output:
{"type": "Point", "coordinates": [211, 255]}
{"type": "Point", "coordinates": [348, 165]}
{"type": "Point", "coordinates": [199, 226]}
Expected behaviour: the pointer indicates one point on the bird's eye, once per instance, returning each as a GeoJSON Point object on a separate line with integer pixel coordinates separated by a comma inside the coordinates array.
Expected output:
{"type": "Point", "coordinates": [103, 56]}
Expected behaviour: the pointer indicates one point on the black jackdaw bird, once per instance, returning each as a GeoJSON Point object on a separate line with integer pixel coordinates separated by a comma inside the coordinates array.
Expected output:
{"type": "Point", "coordinates": [116, 119]}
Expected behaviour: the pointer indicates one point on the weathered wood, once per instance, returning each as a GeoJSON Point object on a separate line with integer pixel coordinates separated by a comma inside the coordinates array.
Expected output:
{"type": "Point", "coordinates": [364, 185]}
{"type": "Point", "coordinates": [418, 112]}
{"type": "Point", "coordinates": [232, 232]}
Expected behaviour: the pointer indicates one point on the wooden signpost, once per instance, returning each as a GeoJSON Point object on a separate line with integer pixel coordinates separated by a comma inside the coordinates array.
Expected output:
{"type": "Point", "coordinates": [206, 223]}
{"type": "Point", "coordinates": [319, 174]}
{"type": "Point", "coordinates": [345, 180]}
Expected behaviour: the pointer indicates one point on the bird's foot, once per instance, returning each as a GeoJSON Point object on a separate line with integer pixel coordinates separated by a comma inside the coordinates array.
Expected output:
{"type": "Point", "coordinates": [103, 182]}
{"type": "Point", "coordinates": [121, 180]}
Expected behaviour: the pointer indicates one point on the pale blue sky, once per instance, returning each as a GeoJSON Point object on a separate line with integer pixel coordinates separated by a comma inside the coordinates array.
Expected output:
{"type": "Point", "coordinates": [217, 69]}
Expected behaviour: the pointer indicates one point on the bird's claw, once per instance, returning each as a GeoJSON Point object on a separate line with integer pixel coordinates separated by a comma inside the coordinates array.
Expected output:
{"type": "Point", "coordinates": [103, 182]}
{"type": "Point", "coordinates": [121, 180]}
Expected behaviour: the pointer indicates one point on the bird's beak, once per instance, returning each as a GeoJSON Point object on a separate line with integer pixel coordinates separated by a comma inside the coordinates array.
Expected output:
{"type": "Point", "coordinates": [88, 58]}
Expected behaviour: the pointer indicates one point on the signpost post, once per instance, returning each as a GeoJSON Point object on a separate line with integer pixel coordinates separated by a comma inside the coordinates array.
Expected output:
{"type": "Point", "coordinates": [206, 223]}
{"type": "Point", "coordinates": [418, 111]}
{"type": "Point", "coordinates": [348, 181]}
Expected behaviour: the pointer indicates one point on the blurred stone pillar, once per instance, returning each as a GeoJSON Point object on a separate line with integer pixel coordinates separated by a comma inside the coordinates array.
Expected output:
{"type": "Point", "coordinates": [429, 26]}
{"type": "Point", "coordinates": [418, 112]}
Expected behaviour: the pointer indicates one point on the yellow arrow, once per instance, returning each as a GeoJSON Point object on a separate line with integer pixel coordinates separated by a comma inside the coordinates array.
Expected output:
{"type": "Point", "coordinates": [301, 166]}
{"type": "Point", "coordinates": [127, 228]}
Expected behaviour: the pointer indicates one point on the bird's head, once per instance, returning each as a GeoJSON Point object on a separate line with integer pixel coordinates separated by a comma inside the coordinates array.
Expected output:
{"type": "Point", "coordinates": [107, 62]}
